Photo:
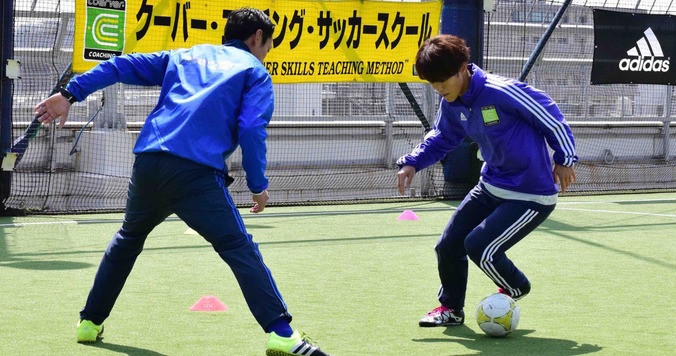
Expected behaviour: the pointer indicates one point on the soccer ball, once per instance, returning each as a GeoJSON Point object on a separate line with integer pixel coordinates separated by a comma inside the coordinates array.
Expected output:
{"type": "Point", "coordinates": [497, 315]}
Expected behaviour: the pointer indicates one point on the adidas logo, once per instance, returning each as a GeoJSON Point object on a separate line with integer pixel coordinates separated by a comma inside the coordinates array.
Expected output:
{"type": "Point", "coordinates": [648, 55]}
{"type": "Point", "coordinates": [463, 117]}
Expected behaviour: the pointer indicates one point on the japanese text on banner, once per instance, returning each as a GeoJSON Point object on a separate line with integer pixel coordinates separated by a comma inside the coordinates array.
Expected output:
{"type": "Point", "coordinates": [314, 41]}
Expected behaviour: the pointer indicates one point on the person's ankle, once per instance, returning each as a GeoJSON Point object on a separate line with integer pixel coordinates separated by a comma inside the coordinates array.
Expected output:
{"type": "Point", "coordinates": [281, 327]}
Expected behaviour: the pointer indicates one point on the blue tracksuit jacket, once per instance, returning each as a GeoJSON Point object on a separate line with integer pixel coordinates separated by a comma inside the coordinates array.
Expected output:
{"type": "Point", "coordinates": [512, 123]}
{"type": "Point", "coordinates": [212, 99]}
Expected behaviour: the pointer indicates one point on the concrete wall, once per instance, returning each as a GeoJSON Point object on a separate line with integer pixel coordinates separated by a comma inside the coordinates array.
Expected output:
{"type": "Point", "coordinates": [325, 162]}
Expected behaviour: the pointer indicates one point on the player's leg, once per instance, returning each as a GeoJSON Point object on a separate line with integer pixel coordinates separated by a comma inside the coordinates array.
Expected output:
{"type": "Point", "coordinates": [144, 211]}
{"type": "Point", "coordinates": [507, 225]}
{"type": "Point", "coordinates": [206, 206]}
{"type": "Point", "coordinates": [452, 259]}
{"type": "Point", "coordinates": [450, 249]}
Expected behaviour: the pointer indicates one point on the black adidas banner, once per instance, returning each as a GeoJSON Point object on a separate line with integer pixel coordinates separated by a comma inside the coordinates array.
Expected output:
{"type": "Point", "coordinates": [633, 48]}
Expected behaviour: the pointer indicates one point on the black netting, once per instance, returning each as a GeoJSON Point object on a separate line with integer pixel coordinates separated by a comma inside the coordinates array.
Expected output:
{"type": "Point", "coordinates": [339, 141]}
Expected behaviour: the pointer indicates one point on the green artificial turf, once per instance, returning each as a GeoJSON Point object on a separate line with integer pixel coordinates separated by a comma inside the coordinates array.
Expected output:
{"type": "Point", "coordinates": [355, 279]}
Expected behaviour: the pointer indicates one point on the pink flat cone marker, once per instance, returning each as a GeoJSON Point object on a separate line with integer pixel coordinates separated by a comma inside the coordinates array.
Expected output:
{"type": "Point", "coordinates": [408, 215]}
{"type": "Point", "coordinates": [208, 303]}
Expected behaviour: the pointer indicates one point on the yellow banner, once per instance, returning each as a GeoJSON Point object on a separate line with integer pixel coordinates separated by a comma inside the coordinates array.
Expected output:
{"type": "Point", "coordinates": [314, 41]}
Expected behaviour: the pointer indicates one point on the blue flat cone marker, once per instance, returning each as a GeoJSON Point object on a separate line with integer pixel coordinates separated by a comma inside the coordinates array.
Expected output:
{"type": "Point", "coordinates": [408, 215]}
{"type": "Point", "coordinates": [208, 303]}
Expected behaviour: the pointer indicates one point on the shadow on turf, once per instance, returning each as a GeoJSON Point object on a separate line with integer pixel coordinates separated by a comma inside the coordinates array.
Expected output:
{"type": "Point", "coordinates": [518, 342]}
{"type": "Point", "coordinates": [559, 229]}
{"type": "Point", "coordinates": [123, 349]}
{"type": "Point", "coordinates": [45, 265]}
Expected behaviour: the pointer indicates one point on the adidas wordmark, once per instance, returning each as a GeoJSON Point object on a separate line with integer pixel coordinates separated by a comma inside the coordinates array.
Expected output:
{"type": "Point", "coordinates": [645, 59]}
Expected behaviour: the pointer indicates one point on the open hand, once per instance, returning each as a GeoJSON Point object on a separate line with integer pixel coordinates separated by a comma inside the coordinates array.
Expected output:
{"type": "Point", "coordinates": [53, 108]}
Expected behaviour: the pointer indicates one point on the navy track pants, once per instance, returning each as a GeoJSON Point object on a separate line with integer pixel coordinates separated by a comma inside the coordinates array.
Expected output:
{"type": "Point", "coordinates": [483, 228]}
{"type": "Point", "coordinates": [162, 184]}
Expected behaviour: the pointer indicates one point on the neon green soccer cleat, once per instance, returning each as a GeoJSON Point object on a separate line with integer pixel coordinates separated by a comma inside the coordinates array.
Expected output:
{"type": "Point", "coordinates": [297, 344]}
{"type": "Point", "coordinates": [88, 331]}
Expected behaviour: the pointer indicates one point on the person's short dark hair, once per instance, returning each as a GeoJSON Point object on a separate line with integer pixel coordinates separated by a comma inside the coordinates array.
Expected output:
{"type": "Point", "coordinates": [440, 57]}
{"type": "Point", "coordinates": [244, 22]}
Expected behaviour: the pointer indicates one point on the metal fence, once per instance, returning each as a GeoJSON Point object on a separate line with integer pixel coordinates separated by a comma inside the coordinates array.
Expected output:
{"type": "Point", "coordinates": [338, 141]}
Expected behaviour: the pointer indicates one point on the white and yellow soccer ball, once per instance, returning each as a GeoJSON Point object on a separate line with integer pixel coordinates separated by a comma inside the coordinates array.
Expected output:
{"type": "Point", "coordinates": [497, 315]}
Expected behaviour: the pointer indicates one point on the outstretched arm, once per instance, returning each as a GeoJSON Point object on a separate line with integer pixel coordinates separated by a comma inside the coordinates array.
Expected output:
{"type": "Point", "coordinates": [445, 136]}
{"type": "Point", "coordinates": [139, 69]}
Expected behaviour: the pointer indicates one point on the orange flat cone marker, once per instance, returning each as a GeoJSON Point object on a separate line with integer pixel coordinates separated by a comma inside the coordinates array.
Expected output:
{"type": "Point", "coordinates": [408, 215]}
{"type": "Point", "coordinates": [208, 303]}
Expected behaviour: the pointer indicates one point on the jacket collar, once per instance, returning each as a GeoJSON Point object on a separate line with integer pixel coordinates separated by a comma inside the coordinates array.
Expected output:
{"type": "Point", "coordinates": [237, 44]}
{"type": "Point", "coordinates": [476, 84]}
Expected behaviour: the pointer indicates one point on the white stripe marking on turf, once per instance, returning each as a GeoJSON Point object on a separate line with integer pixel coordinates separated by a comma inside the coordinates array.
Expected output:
{"type": "Point", "coordinates": [39, 223]}
{"type": "Point", "coordinates": [618, 212]}
{"type": "Point", "coordinates": [559, 206]}
{"type": "Point", "coordinates": [617, 201]}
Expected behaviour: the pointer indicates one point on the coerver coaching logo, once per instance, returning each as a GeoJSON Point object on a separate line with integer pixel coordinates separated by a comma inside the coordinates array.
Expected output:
{"type": "Point", "coordinates": [646, 56]}
{"type": "Point", "coordinates": [104, 30]}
